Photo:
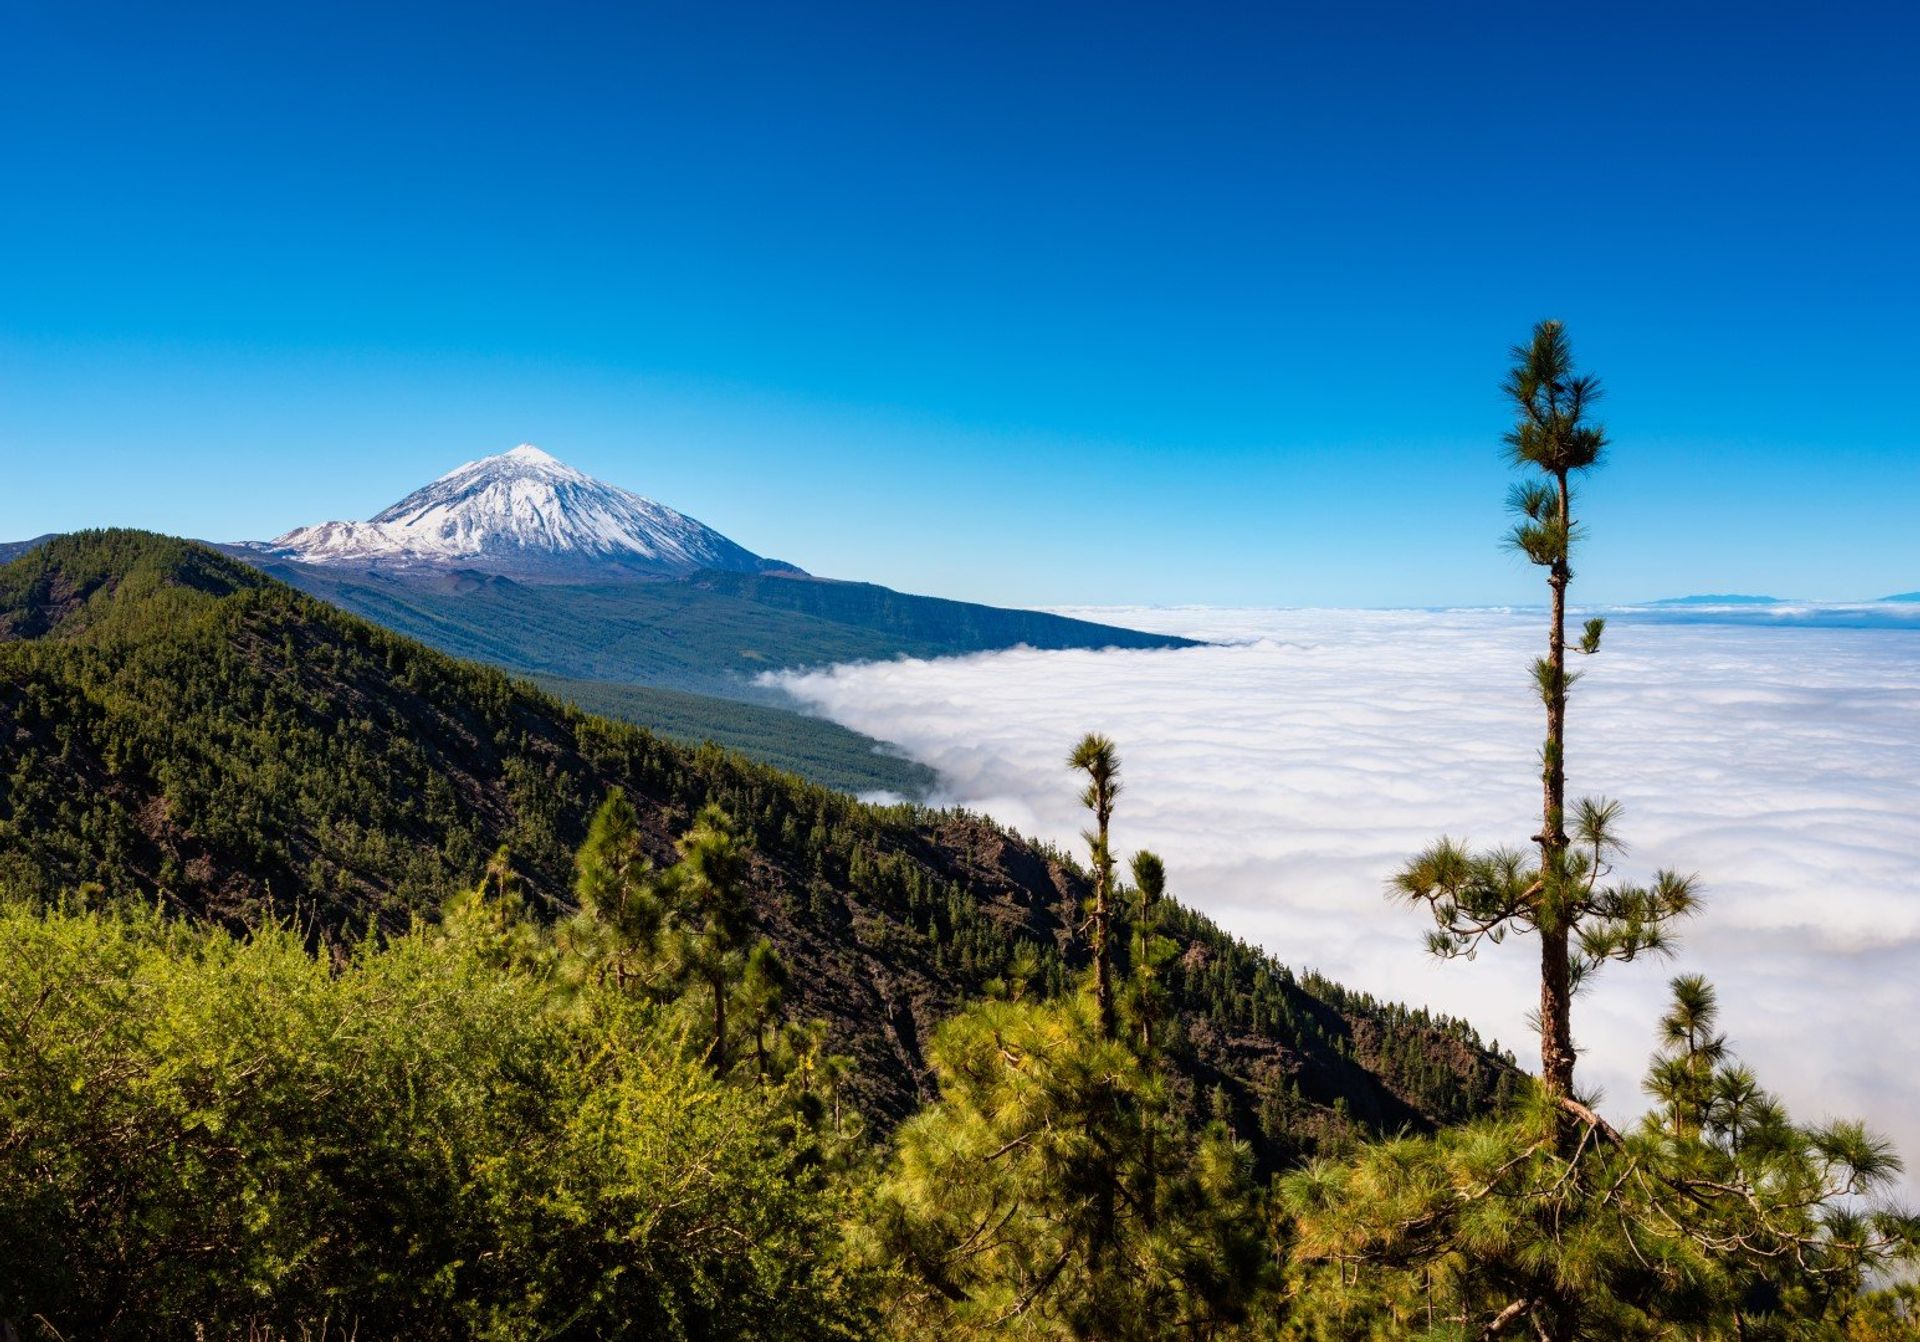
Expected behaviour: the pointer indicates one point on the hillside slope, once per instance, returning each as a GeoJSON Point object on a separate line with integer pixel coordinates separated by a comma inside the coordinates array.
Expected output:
{"type": "Point", "coordinates": [12, 550]}
{"type": "Point", "coordinates": [928, 622]}
{"type": "Point", "coordinates": [818, 750]}
{"type": "Point", "coordinates": [177, 725]}
{"type": "Point", "coordinates": [523, 561]}
{"type": "Point", "coordinates": [705, 635]}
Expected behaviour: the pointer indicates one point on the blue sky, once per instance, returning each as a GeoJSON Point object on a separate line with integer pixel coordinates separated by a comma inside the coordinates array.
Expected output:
{"type": "Point", "coordinates": [1013, 302]}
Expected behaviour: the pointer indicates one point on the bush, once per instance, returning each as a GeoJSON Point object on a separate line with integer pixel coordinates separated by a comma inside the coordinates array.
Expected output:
{"type": "Point", "coordinates": [202, 1131]}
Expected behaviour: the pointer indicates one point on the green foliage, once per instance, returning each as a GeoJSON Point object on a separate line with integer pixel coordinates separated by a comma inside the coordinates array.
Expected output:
{"type": "Point", "coordinates": [1050, 1192]}
{"type": "Point", "coordinates": [762, 992]}
{"type": "Point", "coordinates": [1484, 897]}
{"type": "Point", "coordinates": [427, 1140]}
{"type": "Point", "coordinates": [709, 634]}
{"type": "Point", "coordinates": [672, 936]}
{"type": "Point", "coordinates": [709, 920]}
{"type": "Point", "coordinates": [1718, 1218]}
{"type": "Point", "coordinates": [178, 727]}
{"type": "Point", "coordinates": [1565, 898]}
{"type": "Point", "coordinates": [178, 723]}
{"type": "Point", "coordinates": [1145, 1002]}
{"type": "Point", "coordinates": [618, 932]}
{"type": "Point", "coordinates": [1539, 533]}
{"type": "Point", "coordinates": [820, 751]}
{"type": "Point", "coordinates": [1053, 1190]}
{"type": "Point", "coordinates": [1551, 432]}
{"type": "Point", "coordinates": [1100, 762]}
{"type": "Point", "coordinates": [1891, 1314]}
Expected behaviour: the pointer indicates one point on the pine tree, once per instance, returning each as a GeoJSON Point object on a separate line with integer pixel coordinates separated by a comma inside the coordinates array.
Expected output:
{"type": "Point", "coordinates": [763, 991]}
{"type": "Point", "coordinates": [1148, 1003]}
{"type": "Point", "coordinates": [1054, 1189]}
{"type": "Point", "coordinates": [1096, 757]}
{"type": "Point", "coordinates": [619, 895]}
{"type": "Point", "coordinates": [1683, 1077]}
{"type": "Point", "coordinates": [1719, 1218]}
{"type": "Point", "coordinates": [707, 897]}
{"type": "Point", "coordinates": [1566, 898]}
{"type": "Point", "coordinates": [1552, 435]}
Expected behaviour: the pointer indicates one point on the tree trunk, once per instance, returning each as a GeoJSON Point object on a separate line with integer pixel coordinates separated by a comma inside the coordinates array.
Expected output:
{"type": "Point", "coordinates": [719, 985]}
{"type": "Point", "coordinates": [1555, 1318]}
{"type": "Point", "coordinates": [1102, 920]}
{"type": "Point", "coordinates": [1102, 964]}
{"type": "Point", "coordinates": [1556, 1009]}
{"type": "Point", "coordinates": [1556, 986]}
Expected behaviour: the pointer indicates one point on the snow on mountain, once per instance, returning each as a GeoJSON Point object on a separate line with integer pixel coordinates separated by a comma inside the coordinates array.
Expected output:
{"type": "Point", "coordinates": [523, 512]}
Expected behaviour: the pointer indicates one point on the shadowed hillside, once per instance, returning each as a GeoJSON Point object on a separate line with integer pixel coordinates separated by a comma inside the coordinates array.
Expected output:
{"type": "Point", "coordinates": [176, 725]}
{"type": "Point", "coordinates": [706, 634]}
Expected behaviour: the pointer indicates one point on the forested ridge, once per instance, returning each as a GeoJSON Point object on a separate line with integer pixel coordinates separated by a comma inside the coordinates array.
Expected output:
{"type": "Point", "coordinates": [709, 633]}
{"type": "Point", "coordinates": [178, 726]}
{"type": "Point", "coordinates": [816, 749]}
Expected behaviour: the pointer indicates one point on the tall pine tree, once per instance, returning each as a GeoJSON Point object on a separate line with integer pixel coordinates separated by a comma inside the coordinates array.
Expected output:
{"type": "Point", "coordinates": [1566, 897]}
{"type": "Point", "coordinates": [711, 921]}
{"type": "Point", "coordinates": [1055, 1189]}
{"type": "Point", "coordinates": [1096, 757]}
{"type": "Point", "coordinates": [1720, 1218]}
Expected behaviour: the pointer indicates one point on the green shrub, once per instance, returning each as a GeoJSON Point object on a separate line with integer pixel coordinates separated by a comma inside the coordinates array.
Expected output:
{"type": "Point", "coordinates": [230, 1134]}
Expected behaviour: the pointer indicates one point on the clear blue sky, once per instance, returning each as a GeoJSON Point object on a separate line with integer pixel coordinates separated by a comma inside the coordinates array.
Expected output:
{"type": "Point", "coordinates": [1016, 302]}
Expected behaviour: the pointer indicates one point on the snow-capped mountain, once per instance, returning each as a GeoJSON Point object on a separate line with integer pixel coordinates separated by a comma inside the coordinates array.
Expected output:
{"type": "Point", "coordinates": [523, 513]}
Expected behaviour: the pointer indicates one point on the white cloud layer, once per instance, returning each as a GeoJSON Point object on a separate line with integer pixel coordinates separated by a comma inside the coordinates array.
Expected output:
{"type": "Point", "coordinates": [1286, 773]}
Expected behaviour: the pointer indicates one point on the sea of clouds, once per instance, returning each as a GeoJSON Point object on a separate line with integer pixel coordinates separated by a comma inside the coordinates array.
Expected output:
{"type": "Point", "coordinates": [1285, 772]}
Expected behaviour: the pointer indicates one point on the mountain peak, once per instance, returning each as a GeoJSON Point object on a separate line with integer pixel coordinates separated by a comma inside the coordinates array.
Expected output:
{"type": "Point", "coordinates": [525, 460]}
{"type": "Point", "coordinates": [524, 512]}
